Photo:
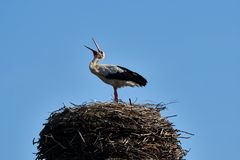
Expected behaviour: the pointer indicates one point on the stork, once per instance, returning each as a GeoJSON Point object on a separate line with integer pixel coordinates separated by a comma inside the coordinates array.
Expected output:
{"type": "Point", "coordinates": [114, 75]}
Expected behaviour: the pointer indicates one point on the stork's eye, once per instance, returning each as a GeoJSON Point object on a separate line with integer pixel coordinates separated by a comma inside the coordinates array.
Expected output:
{"type": "Point", "coordinates": [101, 54]}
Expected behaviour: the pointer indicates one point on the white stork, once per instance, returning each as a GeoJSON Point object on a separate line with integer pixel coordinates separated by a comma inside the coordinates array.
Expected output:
{"type": "Point", "coordinates": [114, 75]}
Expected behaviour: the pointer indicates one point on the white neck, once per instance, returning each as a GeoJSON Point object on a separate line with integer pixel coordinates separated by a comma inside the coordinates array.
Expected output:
{"type": "Point", "coordinates": [94, 65]}
{"type": "Point", "coordinates": [95, 61]}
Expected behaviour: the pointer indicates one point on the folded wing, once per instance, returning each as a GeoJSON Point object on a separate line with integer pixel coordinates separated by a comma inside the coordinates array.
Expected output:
{"type": "Point", "coordinates": [121, 73]}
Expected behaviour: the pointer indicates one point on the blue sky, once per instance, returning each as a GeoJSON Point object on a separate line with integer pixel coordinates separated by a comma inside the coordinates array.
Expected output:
{"type": "Point", "coordinates": [188, 50]}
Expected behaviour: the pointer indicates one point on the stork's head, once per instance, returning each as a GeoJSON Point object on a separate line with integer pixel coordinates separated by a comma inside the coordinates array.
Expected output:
{"type": "Point", "coordinates": [99, 54]}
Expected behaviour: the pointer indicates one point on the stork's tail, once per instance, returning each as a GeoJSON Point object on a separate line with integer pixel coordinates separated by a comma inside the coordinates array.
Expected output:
{"type": "Point", "coordinates": [140, 80]}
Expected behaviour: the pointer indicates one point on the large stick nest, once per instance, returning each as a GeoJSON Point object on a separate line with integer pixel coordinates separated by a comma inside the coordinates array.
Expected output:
{"type": "Point", "coordinates": [109, 131]}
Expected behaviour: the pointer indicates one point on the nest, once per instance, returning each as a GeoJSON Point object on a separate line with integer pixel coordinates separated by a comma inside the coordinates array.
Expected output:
{"type": "Point", "coordinates": [109, 131]}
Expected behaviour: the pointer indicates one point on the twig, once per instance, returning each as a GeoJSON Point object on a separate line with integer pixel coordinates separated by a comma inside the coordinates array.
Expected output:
{"type": "Point", "coordinates": [34, 142]}
{"type": "Point", "coordinates": [171, 116]}
{"type": "Point", "coordinates": [75, 105]}
{"type": "Point", "coordinates": [186, 132]}
{"type": "Point", "coordinates": [184, 137]}
{"type": "Point", "coordinates": [80, 134]}
{"type": "Point", "coordinates": [130, 101]}
{"type": "Point", "coordinates": [51, 136]}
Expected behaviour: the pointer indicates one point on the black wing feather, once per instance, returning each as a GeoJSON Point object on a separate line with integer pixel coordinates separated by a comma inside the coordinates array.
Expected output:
{"type": "Point", "coordinates": [128, 75]}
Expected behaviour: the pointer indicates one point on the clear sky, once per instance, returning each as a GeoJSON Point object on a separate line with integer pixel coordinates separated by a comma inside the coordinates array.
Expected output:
{"type": "Point", "coordinates": [188, 50]}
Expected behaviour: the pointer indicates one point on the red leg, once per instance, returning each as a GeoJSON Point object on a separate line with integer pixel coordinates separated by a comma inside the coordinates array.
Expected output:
{"type": "Point", "coordinates": [115, 95]}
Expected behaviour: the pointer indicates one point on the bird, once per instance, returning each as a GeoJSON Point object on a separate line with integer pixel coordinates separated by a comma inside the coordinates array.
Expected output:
{"type": "Point", "coordinates": [114, 75]}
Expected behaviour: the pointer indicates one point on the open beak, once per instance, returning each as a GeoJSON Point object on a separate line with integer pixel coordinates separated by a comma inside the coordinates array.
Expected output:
{"type": "Point", "coordinates": [90, 49]}
{"type": "Point", "coordinates": [98, 48]}
{"type": "Point", "coordinates": [96, 45]}
{"type": "Point", "coordinates": [94, 52]}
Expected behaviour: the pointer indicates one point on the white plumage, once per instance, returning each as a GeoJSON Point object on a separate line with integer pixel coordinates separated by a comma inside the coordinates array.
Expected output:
{"type": "Point", "coordinates": [104, 70]}
{"type": "Point", "coordinates": [114, 75]}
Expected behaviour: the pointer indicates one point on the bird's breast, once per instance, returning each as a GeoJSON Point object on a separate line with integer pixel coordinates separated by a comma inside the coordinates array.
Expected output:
{"type": "Point", "coordinates": [93, 68]}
